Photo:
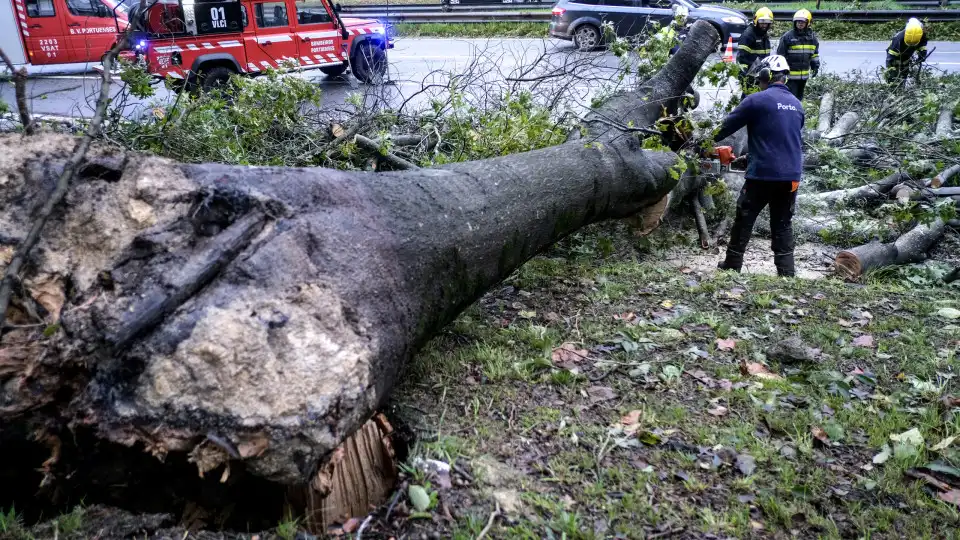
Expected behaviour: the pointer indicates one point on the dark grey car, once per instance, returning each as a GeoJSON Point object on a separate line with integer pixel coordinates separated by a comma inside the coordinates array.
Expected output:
{"type": "Point", "coordinates": [582, 20]}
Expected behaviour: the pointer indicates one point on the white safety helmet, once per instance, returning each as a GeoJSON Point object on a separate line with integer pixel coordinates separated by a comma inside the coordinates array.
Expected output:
{"type": "Point", "coordinates": [775, 63]}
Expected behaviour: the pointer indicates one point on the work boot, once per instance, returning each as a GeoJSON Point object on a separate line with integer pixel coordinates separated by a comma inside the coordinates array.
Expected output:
{"type": "Point", "coordinates": [785, 265]}
{"type": "Point", "coordinates": [727, 264]}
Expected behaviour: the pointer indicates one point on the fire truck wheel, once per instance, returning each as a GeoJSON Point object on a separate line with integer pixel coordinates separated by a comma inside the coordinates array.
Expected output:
{"type": "Point", "coordinates": [334, 71]}
{"type": "Point", "coordinates": [369, 63]}
{"type": "Point", "coordinates": [214, 78]}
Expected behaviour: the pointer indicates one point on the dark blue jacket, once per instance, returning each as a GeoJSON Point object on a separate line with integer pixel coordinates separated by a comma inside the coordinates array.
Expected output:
{"type": "Point", "coordinates": [774, 120]}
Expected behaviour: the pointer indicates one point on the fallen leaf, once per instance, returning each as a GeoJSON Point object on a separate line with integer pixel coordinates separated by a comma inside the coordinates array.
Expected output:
{"type": "Point", "coordinates": [568, 355]}
{"type": "Point", "coordinates": [718, 411]}
{"type": "Point", "coordinates": [726, 344]}
{"type": "Point", "coordinates": [667, 304]}
{"type": "Point", "coordinates": [527, 314]}
{"type": "Point", "coordinates": [907, 444]}
{"type": "Point", "coordinates": [337, 130]}
{"type": "Point", "coordinates": [883, 456]}
{"type": "Point", "coordinates": [48, 291]}
{"type": "Point", "coordinates": [952, 496]}
{"type": "Point", "coordinates": [758, 370]}
{"type": "Point", "coordinates": [418, 497]}
{"type": "Point", "coordinates": [601, 393]}
{"type": "Point", "coordinates": [631, 422]}
{"type": "Point", "coordinates": [351, 525]}
{"type": "Point", "coordinates": [725, 384]}
{"type": "Point", "coordinates": [866, 340]}
{"type": "Point", "coordinates": [649, 438]}
{"type": "Point", "coordinates": [746, 464]}
{"type": "Point", "coordinates": [942, 445]}
{"type": "Point", "coordinates": [949, 313]}
{"type": "Point", "coordinates": [670, 372]}
{"type": "Point", "coordinates": [820, 435]}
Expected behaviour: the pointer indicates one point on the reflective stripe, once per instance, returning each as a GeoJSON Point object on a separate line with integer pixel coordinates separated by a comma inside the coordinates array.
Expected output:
{"type": "Point", "coordinates": [922, 48]}
{"type": "Point", "coordinates": [754, 51]}
{"type": "Point", "coordinates": [815, 56]}
{"type": "Point", "coordinates": [801, 72]}
{"type": "Point", "coordinates": [893, 52]}
{"type": "Point", "coordinates": [803, 47]}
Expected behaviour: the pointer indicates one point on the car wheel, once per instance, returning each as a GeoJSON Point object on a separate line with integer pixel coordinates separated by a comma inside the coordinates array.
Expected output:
{"type": "Point", "coordinates": [586, 37]}
{"type": "Point", "coordinates": [334, 71]}
{"type": "Point", "coordinates": [369, 63]}
{"type": "Point", "coordinates": [214, 79]}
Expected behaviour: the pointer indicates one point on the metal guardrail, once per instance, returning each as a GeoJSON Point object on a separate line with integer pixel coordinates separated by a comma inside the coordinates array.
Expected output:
{"type": "Point", "coordinates": [535, 12]}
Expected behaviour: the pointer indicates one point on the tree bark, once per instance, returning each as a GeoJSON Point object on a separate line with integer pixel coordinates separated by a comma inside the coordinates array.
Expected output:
{"type": "Point", "coordinates": [273, 308]}
{"type": "Point", "coordinates": [911, 247]}
{"type": "Point", "coordinates": [826, 113]}
{"type": "Point", "coordinates": [844, 126]}
{"type": "Point", "coordinates": [945, 120]}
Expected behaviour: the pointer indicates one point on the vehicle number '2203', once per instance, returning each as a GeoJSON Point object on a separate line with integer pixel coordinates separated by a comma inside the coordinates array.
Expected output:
{"type": "Point", "coordinates": [324, 45]}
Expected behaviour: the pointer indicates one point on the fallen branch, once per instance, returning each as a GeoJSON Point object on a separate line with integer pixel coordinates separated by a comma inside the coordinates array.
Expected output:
{"type": "Point", "coordinates": [858, 196]}
{"type": "Point", "coordinates": [911, 247]}
{"type": "Point", "coordinates": [493, 517]}
{"type": "Point", "coordinates": [20, 90]}
{"type": "Point", "coordinates": [396, 161]}
{"type": "Point", "coordinates": [826, 113]}
{"type": "Point", "coordinates": [721, 233]}
{"type": "Point", "coordinates": [945, 121]}
{"type": "Point", "coordinates": [701, 223]}
{"type": "Point", "coordinates": [70, 169]}
{"type": "Point", "coordinates": [842, 128]}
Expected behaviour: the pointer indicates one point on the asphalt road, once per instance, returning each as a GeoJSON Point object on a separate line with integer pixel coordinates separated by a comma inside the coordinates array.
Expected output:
{"type": "Point", "coordinates": [418, 67]}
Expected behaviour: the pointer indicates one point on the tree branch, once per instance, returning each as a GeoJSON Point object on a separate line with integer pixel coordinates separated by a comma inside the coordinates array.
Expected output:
{"type": "Point", "coordinates": [69, 171]}
{"type": "Point", "coordinates": [20, 88]}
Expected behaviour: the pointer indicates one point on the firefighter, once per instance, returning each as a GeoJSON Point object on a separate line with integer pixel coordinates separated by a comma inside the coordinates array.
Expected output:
{"type": "Point", "coordinates": [754, 42]}
{"type": "Point", "coordinates": [774, 120]}
{"type": "Point", "coordinates": [910, 40]}
{"type": "Point", "coordinates": [802, 50]}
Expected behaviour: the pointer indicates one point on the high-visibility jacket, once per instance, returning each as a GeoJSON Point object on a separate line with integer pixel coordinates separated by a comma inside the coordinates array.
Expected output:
{"type": "Point", "coordinates": [752, 47]}
{"type": "Point", "coordinates": [899, 53]}
{"type": "Point", "coordinates": [801, 48]}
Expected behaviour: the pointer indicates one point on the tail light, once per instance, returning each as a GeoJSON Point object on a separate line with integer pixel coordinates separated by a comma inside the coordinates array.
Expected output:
{"type": "Point", "coordinates": [558, 11]}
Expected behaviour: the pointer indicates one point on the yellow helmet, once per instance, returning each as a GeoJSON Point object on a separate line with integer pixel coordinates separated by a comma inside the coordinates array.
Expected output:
{"type": "Point", "coordinates": [803, 15]}
{"type": "Point", "coordinates": [764, 15]}
{"type": "Point", "coordinates": [913, 33]}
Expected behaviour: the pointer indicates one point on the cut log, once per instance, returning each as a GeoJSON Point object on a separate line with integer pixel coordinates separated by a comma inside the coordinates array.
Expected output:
{"type": "Point", "coordinates": [843, 127]}
{"type": "Point", "coordinates": [825, 120]}
{"type": "Point", "coordinates": [945, 120]}
{"type": "Point", "coordinates": [274, 308]}
{"type": "Point", "coordinates": [701, 223]}
{"type": "Point", "coordinates": [911, 247]}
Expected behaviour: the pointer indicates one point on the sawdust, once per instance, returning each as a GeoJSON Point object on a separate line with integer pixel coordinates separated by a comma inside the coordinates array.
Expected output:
{"type": "Point", "coordinates": [812, 260]}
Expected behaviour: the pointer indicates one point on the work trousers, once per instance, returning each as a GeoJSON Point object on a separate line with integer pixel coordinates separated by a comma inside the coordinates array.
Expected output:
{"type": "Point", "coordinates": [755, 195]}
{"type": "Point", "coordinates": [796, 87]}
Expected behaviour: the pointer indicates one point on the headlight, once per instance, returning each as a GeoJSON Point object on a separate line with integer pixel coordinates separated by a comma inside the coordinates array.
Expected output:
{"type": "Point", "coordinates": [734, 20]}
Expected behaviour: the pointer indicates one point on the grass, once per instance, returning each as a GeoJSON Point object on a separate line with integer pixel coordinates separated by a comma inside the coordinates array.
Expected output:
{"type": "Point", "coordinates": [580, 475]}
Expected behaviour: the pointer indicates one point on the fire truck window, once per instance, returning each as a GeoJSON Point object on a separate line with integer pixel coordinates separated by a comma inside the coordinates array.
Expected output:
{"type": "Point", "coordinates": [82, 8]}
{"type": "Point", "coordinates": [40, 8]}
{"type": "Point", "coordinates": [243, 14]}
{"type": "Point", "coordinates": [271, 14]}
{"type": "Point", "coordinates": [314, 14]}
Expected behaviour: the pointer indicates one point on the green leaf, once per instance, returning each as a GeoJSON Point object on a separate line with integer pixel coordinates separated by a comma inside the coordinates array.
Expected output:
{"type": "Point", "coordinates": [418, 497]}
{"type": "Point", "coordinates": [649, 438]}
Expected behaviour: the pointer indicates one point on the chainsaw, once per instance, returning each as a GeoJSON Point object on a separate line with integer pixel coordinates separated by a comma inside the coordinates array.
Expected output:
{"type": "Point", "coordinates": [722, 160]}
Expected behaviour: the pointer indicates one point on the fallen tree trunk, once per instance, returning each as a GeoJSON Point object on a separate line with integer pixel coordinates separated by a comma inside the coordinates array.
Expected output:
{"type": "Point", "coordinates": [911, 247]}
{"type": "Point", "coordinates": [859, 196]}
{"type": "Point", "coordinates": [270, 310]}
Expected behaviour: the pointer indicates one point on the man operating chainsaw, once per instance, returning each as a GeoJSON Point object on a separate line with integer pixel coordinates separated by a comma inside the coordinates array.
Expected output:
{"type": "Point", "coordinates": [774, 120]}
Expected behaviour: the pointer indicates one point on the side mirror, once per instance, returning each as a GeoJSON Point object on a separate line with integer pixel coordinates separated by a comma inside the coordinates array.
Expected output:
{"type": "Point", "coordinates": [102, 11]}
{"type": "Point", "coordinates": [337, 7]}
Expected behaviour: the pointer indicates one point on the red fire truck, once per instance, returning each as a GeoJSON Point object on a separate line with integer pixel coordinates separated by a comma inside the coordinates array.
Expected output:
{"type": "Point", "coordinates": [203, 43]}
{"type": "Point", "coordinates": [39, 32]}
